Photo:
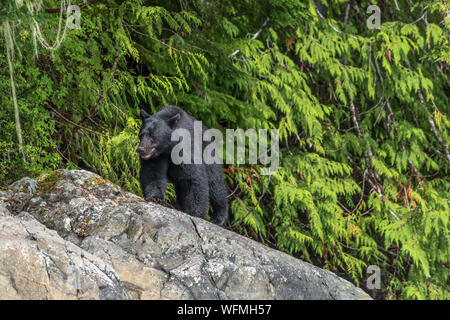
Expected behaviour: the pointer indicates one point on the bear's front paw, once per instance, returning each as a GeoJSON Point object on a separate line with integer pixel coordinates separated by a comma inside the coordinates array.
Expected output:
{"type": "Point", "coordinates": [156, 200]}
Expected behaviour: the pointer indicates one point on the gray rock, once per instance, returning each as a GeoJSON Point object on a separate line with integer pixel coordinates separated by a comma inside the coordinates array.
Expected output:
{"type": "Point", "coordinates": [36, 263]}
{"type": "Point", "coordinates": [160, 253]}
{"type": "Point", "coordinates": [24, 185]}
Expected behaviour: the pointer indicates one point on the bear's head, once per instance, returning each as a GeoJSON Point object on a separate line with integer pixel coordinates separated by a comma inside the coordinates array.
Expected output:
{"type": "Point", "coordinates": [155, 135]}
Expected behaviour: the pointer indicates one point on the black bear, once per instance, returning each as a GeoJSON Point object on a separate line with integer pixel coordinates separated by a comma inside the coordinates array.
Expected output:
{"type": "Point", "coordinates": [196, 185]}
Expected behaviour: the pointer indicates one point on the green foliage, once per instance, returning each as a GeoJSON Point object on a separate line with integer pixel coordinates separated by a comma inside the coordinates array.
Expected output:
{"type": "Point", "coordinates": [362, 118]}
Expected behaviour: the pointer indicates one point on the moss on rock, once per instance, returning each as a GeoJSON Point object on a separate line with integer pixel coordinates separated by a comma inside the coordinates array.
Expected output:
{"type": "Point", "coordinates": [94, 182]}
{"type": "Point", "coordinates": [46, 182]}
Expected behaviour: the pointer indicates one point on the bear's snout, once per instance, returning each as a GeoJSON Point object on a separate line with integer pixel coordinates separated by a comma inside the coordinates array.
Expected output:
{"type": "Point", "coordinates": [140, 150]}
{"type": "Point", "coordinates": [145, 153]}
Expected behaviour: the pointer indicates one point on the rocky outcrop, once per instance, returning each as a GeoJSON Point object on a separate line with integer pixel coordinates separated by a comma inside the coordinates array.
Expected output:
{"type": "Point", "coordinates": [36, 263]}
{"type": "Point", "coordinates": [73, 235]}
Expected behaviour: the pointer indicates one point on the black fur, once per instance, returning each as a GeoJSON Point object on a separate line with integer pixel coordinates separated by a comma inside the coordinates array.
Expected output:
{"type": "Point", "coordinates": [196, 185]}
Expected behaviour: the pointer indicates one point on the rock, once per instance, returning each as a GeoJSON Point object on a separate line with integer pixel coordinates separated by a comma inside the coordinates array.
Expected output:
{"type": "Point", "coordinates": [156, 252]}
{"type": "Point", "coordinates": [36, 263]}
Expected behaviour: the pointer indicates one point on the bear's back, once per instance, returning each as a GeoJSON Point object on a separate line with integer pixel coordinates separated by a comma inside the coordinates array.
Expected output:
{"type": "Point", "coordinates": [186, 120]}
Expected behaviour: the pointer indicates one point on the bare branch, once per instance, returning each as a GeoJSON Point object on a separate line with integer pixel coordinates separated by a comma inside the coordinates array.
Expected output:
{"type": "Point", "coordinates": [329, 23]}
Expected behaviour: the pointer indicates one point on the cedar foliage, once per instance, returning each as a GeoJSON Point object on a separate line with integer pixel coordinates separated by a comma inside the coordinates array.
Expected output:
{"type": "Point", "coordinates": [362, 117]}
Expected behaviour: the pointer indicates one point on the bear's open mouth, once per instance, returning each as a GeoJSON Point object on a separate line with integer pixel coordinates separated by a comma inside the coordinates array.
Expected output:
{"type": "Point", "coordinates": [146, 156]}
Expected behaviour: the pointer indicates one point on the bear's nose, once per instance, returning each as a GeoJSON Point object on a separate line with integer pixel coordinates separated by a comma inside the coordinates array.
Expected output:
{"type": "Point", "coordinates": [141, 150]}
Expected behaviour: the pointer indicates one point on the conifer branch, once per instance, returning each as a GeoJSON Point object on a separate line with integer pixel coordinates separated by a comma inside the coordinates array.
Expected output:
{"type": "Point", "coordinates": [368, 154]}
{"type": "Point", "coordinates": [323, 17]}
{"type": "Point", "coordinates": [100, 100]}
{"type": "Point", "coordinates": [431, 121]}
{"type": "Point", "coordinates": [255, 35]}
{"type": "Point", "coordinates": [55, 10]}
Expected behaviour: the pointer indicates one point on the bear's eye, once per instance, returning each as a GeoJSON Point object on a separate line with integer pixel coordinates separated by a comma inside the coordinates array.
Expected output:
{"type": "Point", "coordinates": [145, 134]}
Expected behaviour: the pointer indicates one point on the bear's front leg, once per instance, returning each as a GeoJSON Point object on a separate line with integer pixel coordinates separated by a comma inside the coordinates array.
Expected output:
{"type": "Point", "coordinates": [153, 179]}
{"type": "Point", "coordinates": [155, 192]}
{"type": "Point", "coordinates": [192, 197]}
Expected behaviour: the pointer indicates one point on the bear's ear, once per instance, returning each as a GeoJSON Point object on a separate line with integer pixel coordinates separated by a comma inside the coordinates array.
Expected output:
{"type": "Point", "coordinates": [144, 115]}
{"type": "Point", "coordinates": [173, 120]}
